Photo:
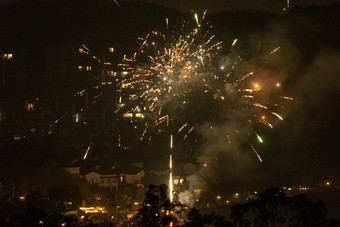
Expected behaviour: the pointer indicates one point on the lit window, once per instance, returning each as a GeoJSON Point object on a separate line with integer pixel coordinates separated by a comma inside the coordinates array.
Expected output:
{"type": "Point", "coordinates": [176, 182]}
{"type": "Point", "coordinates": [76, 117]}
{"type": "Point", "coordinates": [111, 49]}
{"type": "Point", "coordinates": [80, 67]}
{"type": "Point", "coordinates": [111, 73]}
{"type": "Point", "coordinates": [30, 106]}
{"type": "Point", "coordinates": [8, 56]}
{"type": "Point", "coordinates": [88, 68]}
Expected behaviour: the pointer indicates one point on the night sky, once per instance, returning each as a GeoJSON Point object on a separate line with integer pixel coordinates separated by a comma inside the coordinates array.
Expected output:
{"type": "Point", "coordinates": [225, 5]}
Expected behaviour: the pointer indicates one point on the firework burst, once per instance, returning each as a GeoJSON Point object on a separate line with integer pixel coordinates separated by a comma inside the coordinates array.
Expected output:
{"type": "Point", "coordinates": [173, 74]}
{"type": "Point", "coordinates": [168, 66]}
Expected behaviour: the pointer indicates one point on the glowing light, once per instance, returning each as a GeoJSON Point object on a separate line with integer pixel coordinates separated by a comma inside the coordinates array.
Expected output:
{"type": "Point", "coordinates": [140, 115]}
{"type": "Point", "coordinates": [196, 18]}
{"type": "Point", "coordinates": [29, 107]}
{"type": "Point", "coordinates": [258, 156]}
{"type": "Point", "coordinates": [170, 168]}
{"type": "Point", "coordinates": [8, 56]}
{"type": "Point", "coordinates": [257, 87]}
{"type": "Point", "coordinates": [259, 138]}
{"type": "Point", "coordinates": [235, 41]}
{"type": "Point", "coordinates": [277, 116]}
{"type": "Point", "coordinates": [91, 210]}
{"type": "Point", "coordinates": [128, 115]}
{"type": "Point", "coordinates": [275, 50]}
{"type": "Point", "coordinates": [87, 151]}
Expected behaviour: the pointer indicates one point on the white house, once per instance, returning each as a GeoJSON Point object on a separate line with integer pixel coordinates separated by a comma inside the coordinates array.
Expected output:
{"type": "Point", "coordinates": [103, 180]}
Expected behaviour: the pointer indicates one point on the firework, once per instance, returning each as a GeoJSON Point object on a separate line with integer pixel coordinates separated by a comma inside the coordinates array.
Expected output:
{"type": "Point", "coordinates": [172, 68]}
{"type": "Point", "coordinates": [87, 150]}
{"type": "Point", "coordinates": [171, 189]}
{"type": "Point", "coordinates": [168, 66]}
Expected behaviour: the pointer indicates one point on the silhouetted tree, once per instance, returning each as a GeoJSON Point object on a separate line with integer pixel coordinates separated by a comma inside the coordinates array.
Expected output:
{"type": "Point", "coordinates": [156, 209]}
{"type": "Point", "coordinates": [196, 219]}
{"type": "Point", "coordinates": [274, 208]}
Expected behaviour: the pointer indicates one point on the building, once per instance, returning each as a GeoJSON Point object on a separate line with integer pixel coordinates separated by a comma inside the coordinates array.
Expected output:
{"type": "Point", "coordinates": [104, 180]}
{"type": "Point", "coordinates": [132, 176]}
{"type": "Point", "coordinates": [112, 179]}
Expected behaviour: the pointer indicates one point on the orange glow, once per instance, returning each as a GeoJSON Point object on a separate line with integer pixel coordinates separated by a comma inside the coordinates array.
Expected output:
{"type": "Point", "coordinates": [93, 209]}
{"type": "Point", "coordinates": [128, 115]}
{"type": "Point", "coordinates": [278, 85]}
{"type": "Point", "coordinates": [8, 56]}
{"type": "Point", "coordinates": [139, 115]}
{"type": "Point", "coordinates": [30, 106]}
{"type": "Point", "coordinates": [257, 86]}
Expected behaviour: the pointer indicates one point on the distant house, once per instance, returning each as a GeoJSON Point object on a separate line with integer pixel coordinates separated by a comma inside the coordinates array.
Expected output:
{"type": "Point", "coordinates": [112, 179]}
{"type": "Point", "coordinates": [134, 177]}
{"type": "Point", "coordinates": [105, 180]}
